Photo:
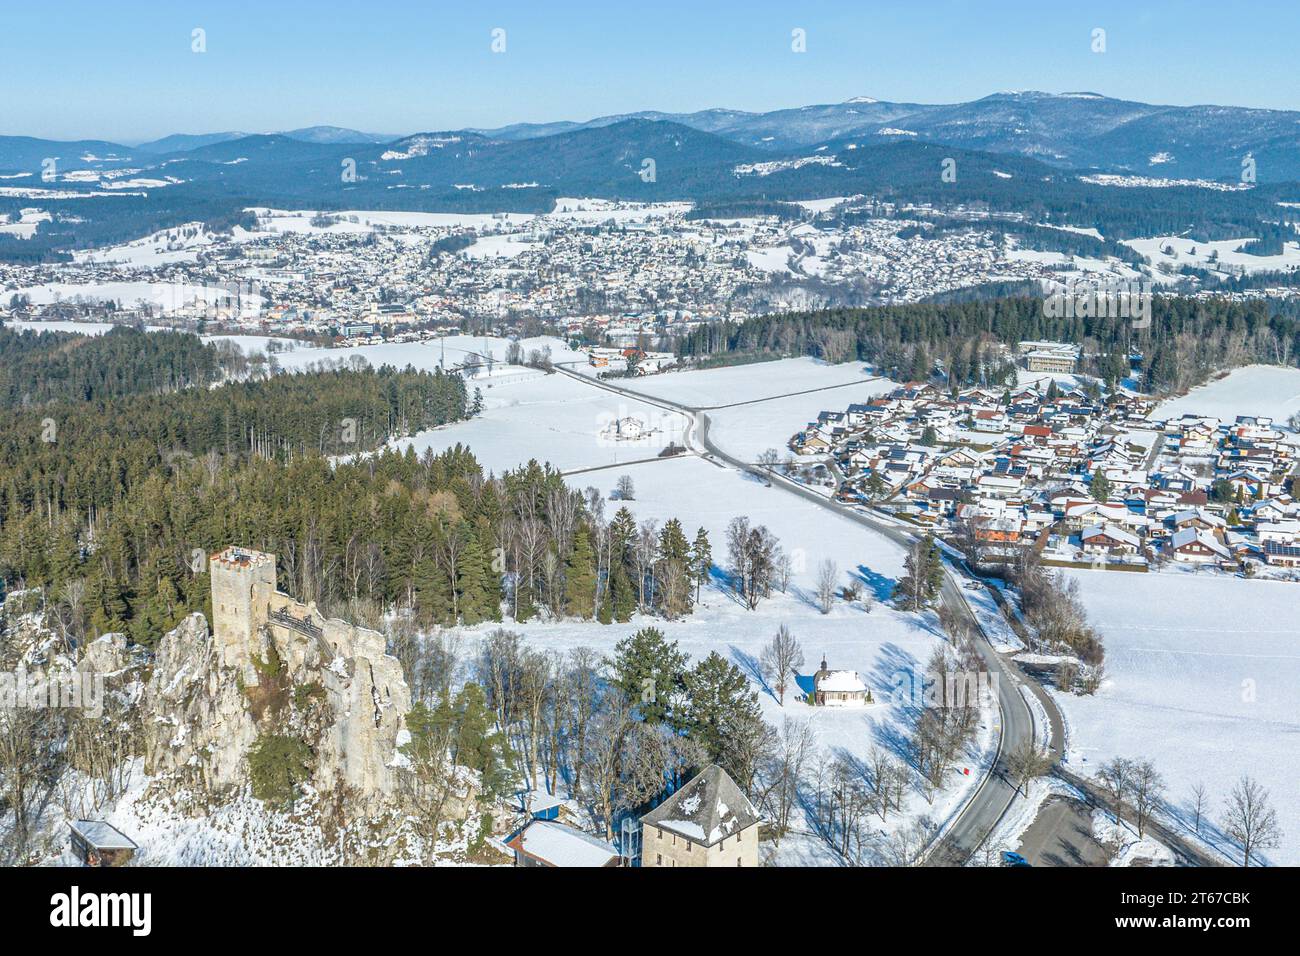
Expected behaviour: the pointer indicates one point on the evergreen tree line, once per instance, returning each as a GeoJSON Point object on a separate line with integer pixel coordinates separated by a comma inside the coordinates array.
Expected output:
{"type": "Point", "coordinates": [41, 367]}
{"type": "Point", "coordinates": [1188, 339]}
{"type": "Point", "coordinates": [112, 508]}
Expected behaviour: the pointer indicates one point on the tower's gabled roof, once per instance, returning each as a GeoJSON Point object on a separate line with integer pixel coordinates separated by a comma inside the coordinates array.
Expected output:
{"type": "Point", "coordinates": [708, 809]}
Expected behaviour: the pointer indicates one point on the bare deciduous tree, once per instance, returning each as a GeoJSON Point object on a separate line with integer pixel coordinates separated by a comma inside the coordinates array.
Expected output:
{"type": "Point", "coordinates": [1199, 797]}
{"type": "Point", "coordinates": [1148, 789]}
{"type": "Point", "coordinates": [1027, 762]}
{"type": "Point", "coordinates": [1250, 819]}
{"type": "Point", "coordinates": [828, 573]}
{"type": "Point", "coordinates": [781, 657]}
{"type": "Point", "coordinates": [1116, 777]}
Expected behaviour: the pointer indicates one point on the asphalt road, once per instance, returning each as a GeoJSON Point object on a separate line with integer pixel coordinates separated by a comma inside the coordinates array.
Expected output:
{"type": "Point", "coordinates": [1060, 835]}
{"type": "Point", "coordinates": [994, 794]}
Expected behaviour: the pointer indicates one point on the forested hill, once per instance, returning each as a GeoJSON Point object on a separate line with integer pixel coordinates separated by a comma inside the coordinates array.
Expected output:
{"type": "Point", "coordinates": [1188, 340]}
{"type": "Point", "coordinates": [104, 502]}
{"type": "Point", "coordinates": [40, 367]}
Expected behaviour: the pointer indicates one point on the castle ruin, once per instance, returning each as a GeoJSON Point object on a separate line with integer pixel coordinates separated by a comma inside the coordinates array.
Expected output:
{"type": "Point", "coordinates": [202, 687]}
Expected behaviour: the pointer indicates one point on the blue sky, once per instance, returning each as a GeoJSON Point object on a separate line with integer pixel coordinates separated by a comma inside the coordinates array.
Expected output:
{"type": "Point", "coordinates": [125, 71]}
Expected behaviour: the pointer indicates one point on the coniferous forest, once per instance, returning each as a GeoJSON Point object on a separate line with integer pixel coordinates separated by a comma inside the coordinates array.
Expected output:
{"type": "Point", "coordinates": [111, 505]}
{"type": "Point", "coordinates": [1187, 342]}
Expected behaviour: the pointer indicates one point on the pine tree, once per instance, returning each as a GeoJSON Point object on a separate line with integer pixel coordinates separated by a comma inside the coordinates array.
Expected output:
{"type": "Point", "coordinates": [472, 584]}
{"type": "Point", "coordinates": [921, 584]}
{"type": "Point", "coordinates": [650, 671]}
{"type": "Point", "coordinates": [675, 575]}
{"type": "Point", "coordinates": [1099, 487]}
{"type": "Point", "coordinates": [701, 561]}
{"type": "Point", "coordinates": [580, 576]}
{"type": "Point", "coordinates": [432, 591]}
{"type": "Point", "coordinates": [622, 594]}
{"type": "Point", "coordinates": [723, 714]}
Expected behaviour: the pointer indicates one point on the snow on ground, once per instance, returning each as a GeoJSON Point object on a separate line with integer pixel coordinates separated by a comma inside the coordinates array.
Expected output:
{"type": "Point", "coordinates": [747, 430]}
{"type": "Point", "coordinates": [84, 328]}
{"type": "Point", "coordinates": [1025, 378]}
{"type": "Point", "coordinates": [775, 259]}
{"type": "Point", "coordinates": [770, 401]}
{"type": "Point", "coordinates": [1010, 829]}
{"type": "Point", "coordinates": [1189, 252]}
{"type": "Point", "coordinates": [1253, 390]}
{"type": "Point", "coordinates": [179, 828]}
{"type": "Point", "coordinates": [589, 210]}
{"type": "Point", "coordinates": [555, 419]}
{"type": "Point", "coordinates": [1001, 634]}
{"type": "Point", "coordinates": [1133, 850]}
{"type": "Point", "coordinates": [159, 248]}
{"type": "Point", "coordinates": [165, 296]}
{"type": "Point", "coordinates": [299, 220]}
{"type": "Point", "coordinates": [24, 224]}
{"type": "Point", "coordinates": [1203, 679]}
{"type": "Point", "coordinates": [497, 247]}
{"type": "Point", "coordinates": [823, 205]}
{"type": "Point", "coordinates": [887, 648]}
{"type": "Point", "coordinates": [428, 354]}
{"type": "Point", "coordinates": [711, 388]}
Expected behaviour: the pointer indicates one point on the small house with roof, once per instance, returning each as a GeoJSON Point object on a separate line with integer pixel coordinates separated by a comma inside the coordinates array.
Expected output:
{"type": "Point", "coordinates": [549, 843]}
{"type": "Point", "coordinates": [838, 688]}
{"type": "Point", "coordinates": [96, 843]}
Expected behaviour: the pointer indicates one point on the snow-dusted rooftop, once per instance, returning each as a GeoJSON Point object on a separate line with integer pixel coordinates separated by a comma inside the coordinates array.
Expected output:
{"type": "Point", "coordinates": [708, 809]}
{"type": "Point", "coordinates": [561, 845]}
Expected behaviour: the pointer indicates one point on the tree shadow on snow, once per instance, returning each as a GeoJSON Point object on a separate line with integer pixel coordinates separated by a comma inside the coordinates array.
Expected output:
{"type": "Point", "coordinates": [751, 666]}
{"type": "Point", "coordinates": [881, 587]}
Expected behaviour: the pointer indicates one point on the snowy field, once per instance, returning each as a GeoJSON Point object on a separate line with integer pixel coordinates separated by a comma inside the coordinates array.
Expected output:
{"type": "Point", "coordinates": [559, 419]}
{"type": "Point", "coordinates": [164, 296]}
{"type": "Point", "coordinates": [757, 407]}
{"type": "Point", "coordinates": [747, 430]}
{"type": "Point", "coordinates": [1203, 678]}
{"type": "Point", "coordinates": [887, 648]}
{"type": "Point", "coordinates": [1210, 255]}
{"type": "Point", "coordinates": [1252, 390]}
{"type": "Point", "coordinates": [555, 419]}
{"type": "Point", "coordinates": [713, 388]}
{"type": "Point", "coordinates": [426, 355]}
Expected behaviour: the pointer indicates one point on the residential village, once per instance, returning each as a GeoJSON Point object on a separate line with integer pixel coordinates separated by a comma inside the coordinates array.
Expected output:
{"type": "Point", "coordinates": [615, 273]}
{"type": "Point", "coordinates": [1082, 481]}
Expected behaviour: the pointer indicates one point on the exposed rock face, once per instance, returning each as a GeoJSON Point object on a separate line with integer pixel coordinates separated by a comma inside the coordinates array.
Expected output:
{"type": "Point", "coordinates": [196, 715]}
{"type": "Point", "coordinates": [338, 690]}
{"type": "Point", "coordinates": [106, 655]}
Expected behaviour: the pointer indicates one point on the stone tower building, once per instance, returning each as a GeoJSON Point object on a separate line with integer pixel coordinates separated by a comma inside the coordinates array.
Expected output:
{"type": "Point", "coordinates": [243, 583]}
{"type": "Point", "coordinates": [364, 700]}
{"type": "Point", "coordinates": [707, 823]}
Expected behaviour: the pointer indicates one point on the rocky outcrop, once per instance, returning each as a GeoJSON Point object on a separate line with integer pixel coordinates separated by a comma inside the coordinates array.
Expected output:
{"type": "Point", "coordinates": [345, 699]}
{"type": "Point", "coordinates": [195, 713]}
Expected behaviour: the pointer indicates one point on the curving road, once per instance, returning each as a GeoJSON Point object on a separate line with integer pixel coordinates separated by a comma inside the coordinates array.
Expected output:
{"type": "Point", "coordinates": [994, 795]}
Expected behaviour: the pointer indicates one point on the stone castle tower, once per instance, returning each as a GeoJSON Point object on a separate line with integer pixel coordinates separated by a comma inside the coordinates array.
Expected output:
{"type": "Point", "coordinates": [243, 584]}
{"type": "Point", "coordinates": [365, 695]}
